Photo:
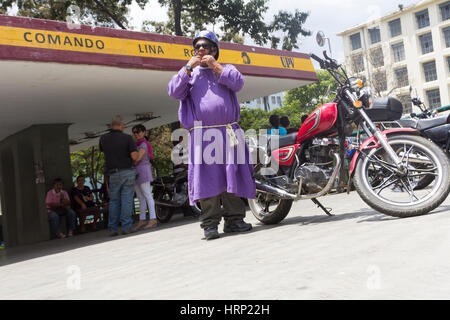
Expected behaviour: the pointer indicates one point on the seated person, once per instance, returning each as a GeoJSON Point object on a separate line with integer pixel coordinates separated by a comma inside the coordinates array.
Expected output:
{"type": "Point", "coordinates": [104, 191]}
{"type": "Point", "coordinates": [84, 203]}
{"type": "Point", "coordinates": [104, 198]}
{"type": "Point", "coordinates": [276, 128]}
{"type": "Point", "coordinates": [58, 205]}
{"type": "Point", "coordinates": [286, 123]}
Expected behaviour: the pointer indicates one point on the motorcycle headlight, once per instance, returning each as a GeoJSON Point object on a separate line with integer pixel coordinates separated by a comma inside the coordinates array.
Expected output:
{"type": "Point", "coordinates": [356, 83]}
{"type": "Point", "coordinates": [365, 95]}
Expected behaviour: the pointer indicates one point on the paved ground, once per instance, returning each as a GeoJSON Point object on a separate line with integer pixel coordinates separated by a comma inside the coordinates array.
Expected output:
{"type": "Point", "coordinates": [357, 254]}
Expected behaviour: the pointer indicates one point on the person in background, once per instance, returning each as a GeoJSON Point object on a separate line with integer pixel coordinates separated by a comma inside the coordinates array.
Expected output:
{"type": "Point", "coordinates": [58, 205]}
{"type": "Point", "coordinates": [304, 117]}
{"type": "Point", "coordinates": [276, 129]}
{"type": "Point", "coordinates": [181, 156]}
{"type": "Point", "coordinates": [104, 191]}
{"type": "Point", "coordinates": [84, 204]}
{"type": "Point", "coordinates": [120, 151]}
{"type": "Point", "coordinates": [104, 198]}
{"type": "Point", "coordinates": [285, 123]}
{"type": "Point", "coordinates": [143, 185]}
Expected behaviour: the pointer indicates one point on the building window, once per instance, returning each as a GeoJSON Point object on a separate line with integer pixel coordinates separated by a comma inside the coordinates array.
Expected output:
{"type": "Point", "coordinates": [423, 20]}
{"type": "Point", "coordinates": [273, 100]}
{"type": "Point", "coordinates": [406, 102]}
{"type": "Point", "coordinates": [279, 100]}
{"type": "Point", "coordinates": [399, 51]}
{"type": "Point", "coordinates": [358, 63]}
{"type": "Point", "coordinates": [426, 43]}
{"type": "Point", "coordinates": [356, 41]}
{"type": "Point", "coordinates": [434, 98]}
{"type": "Point", "coordinates": [402, 77]}
{"type": "Point", "coordinates": [446, 32]}
{"type": "Point", "coordinates": [448, 63]}
{"type": "Point", "coordinates": [429, 70]}
{"type": "Point", "coordinates": [376, 57]}
{"type": "Point", "coordinates": [375, 36]}
{"type": "Point", "coordinates": [395, 27]}
{"type": "Point", "coordinates": [445, 10]}
{"type": "Point", "coordinates": [379, 81]}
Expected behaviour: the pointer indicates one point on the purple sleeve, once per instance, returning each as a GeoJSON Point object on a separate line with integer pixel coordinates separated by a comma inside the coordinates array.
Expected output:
{"type": "Point", "coordinates": [179, 85]}
{"type": "Point", "coordinates": [231, 78]}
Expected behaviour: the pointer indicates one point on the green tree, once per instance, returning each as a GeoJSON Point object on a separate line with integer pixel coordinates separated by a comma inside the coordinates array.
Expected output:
{"type": "Point", "coordinates": [234, 17]}
{"type": "Point", "coordinates": [89, 162]}
{"type": "Point", "coordinates": [253, 119]}
{"type": "Point", "coordinates": [305, 99]}
{"type": "Point", "coordinates": [297, 102]}
{"type": "Point", "coordinates": [160, 140]}
{"type": "Point", "coordinates": [103, 13]}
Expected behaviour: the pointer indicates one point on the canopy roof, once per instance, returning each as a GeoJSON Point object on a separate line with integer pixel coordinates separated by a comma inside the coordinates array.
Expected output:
{"type": "Point", "coordinates": [54, 72]}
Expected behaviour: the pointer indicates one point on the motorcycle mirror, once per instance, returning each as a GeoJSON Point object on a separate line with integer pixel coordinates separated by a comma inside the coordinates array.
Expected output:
{"type": "Point", "coordinates": [320, 38]}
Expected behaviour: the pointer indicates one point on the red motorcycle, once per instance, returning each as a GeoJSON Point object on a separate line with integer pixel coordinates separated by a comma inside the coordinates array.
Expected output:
{"type": "Point", "coordinates": [384, 170]}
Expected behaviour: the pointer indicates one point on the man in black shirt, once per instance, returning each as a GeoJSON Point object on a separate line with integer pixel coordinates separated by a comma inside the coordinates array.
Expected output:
{"type": "Point", "coordinates": [120, 152]}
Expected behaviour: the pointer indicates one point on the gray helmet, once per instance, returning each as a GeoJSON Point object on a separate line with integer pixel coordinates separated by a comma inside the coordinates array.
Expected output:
{"type": "Point", "coordinates": [205, 34]}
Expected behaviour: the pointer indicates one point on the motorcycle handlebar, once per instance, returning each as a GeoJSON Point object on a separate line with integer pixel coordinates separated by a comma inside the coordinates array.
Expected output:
{"type": "Point", "coordinates": [320, 61]}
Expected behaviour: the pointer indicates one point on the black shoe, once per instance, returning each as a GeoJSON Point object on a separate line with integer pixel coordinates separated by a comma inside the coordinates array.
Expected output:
{"type": "Point", "coordinates": [237, 226]}
{"type": "Point", "coordinates": [113, 234]}
{"type": "Point", "coordinates": [211, 233]}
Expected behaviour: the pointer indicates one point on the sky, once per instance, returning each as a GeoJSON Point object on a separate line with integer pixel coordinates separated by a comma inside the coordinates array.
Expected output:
{"type": "Point", "coordinates": [329, 16]}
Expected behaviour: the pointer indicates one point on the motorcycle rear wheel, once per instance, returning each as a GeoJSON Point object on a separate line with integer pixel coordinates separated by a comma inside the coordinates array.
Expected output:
{"type": "Point", "coordinates": [400, 198]}
{"type": "Point", "coordinates": [163, 213]}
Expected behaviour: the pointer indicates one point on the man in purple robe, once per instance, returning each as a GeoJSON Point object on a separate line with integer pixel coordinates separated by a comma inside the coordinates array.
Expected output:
{"type": "Point", "coordinates": [219, 168]}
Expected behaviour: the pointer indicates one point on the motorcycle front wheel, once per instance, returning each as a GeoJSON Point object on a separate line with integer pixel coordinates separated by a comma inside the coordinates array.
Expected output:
{"type": "Point", "coordinates": [387, 191]}
{"type": "Point", "coordinates": [269, 209]}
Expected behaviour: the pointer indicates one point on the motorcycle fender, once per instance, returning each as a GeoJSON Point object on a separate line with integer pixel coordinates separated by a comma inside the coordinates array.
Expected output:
{"type": "Point", "coordinates": [372, 142]}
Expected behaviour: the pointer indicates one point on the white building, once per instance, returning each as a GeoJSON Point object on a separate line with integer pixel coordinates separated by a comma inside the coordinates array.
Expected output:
{"type": "Point", "coordinates": [409, 47]}
{"type": "Point", "coordinates": [273, 101]}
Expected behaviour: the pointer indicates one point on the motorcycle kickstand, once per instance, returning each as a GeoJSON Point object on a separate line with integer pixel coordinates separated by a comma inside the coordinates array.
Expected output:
{"type": "Point", "coordinates": [319, 205]}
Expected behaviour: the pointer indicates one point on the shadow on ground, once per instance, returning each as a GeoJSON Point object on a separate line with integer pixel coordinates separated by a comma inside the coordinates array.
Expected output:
{"type": "Point", "coordinates": [362, 216]}
{"type": "Point", "coordinates": [45, 248]}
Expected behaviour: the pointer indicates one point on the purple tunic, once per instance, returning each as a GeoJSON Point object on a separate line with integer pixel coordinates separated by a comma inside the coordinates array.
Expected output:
{"type": "Point", "coordinates": [212, 99]}
{"type": "Point", "coordinates": [143, 168]}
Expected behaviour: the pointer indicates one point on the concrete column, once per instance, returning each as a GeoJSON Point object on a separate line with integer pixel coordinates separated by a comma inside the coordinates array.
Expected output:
{"type": "Point", "coordinates": [29, 161]}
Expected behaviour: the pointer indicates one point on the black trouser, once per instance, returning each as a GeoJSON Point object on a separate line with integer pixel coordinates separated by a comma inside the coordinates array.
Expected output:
{"type": "Point", "coordinates": [234, 209]}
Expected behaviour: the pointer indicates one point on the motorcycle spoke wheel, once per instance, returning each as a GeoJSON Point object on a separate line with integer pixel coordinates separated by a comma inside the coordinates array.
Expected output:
{"type": "Point", "coordinates": [390, 191]}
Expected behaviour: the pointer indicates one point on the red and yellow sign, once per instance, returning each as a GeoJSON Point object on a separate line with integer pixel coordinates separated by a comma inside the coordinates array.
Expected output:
{"type": "Point", "coordinates": [54, 40]}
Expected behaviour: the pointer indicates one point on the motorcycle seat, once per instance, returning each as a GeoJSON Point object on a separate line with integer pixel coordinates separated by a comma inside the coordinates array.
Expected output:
{"type": "Point", "coordinates": [288, 139]}
{"type": "Point", "coordinates": [424, 124]}
{"type": "Point", "coordinates": [408, 123]}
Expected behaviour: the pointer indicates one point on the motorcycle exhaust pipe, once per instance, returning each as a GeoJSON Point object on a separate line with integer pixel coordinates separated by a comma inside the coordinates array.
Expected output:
{"type": "Point", "coordinates": [274, 191]}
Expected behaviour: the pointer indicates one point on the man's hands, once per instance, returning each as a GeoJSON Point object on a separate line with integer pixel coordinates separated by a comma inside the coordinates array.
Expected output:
{"type": "Point", "coordinates": [209, 60]}
{"type": "Point", "coordinates": [194, 62]}
{"type": "Point", "coordinates": [206, 60]}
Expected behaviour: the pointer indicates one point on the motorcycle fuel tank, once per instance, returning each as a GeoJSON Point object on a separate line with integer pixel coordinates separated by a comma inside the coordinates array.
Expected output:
{"type": "Point", "coordinates": [321, 120]}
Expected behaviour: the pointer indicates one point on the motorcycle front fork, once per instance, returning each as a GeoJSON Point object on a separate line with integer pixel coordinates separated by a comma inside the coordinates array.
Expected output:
{"type": "Point", "coordinates": [372, 130]}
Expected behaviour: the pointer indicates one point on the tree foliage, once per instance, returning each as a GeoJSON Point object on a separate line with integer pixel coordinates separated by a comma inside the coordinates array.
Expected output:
{"type": "Point", "coordinates": [89, 162]}
{"type": "Point", "coordinates": [297, 102]}
{"type": "Point", "coordinates": [305, 99]}
{"type": "Point", "coordinates": [233, 18]}
{"type": "Point", "coordinates": [103, 13]}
